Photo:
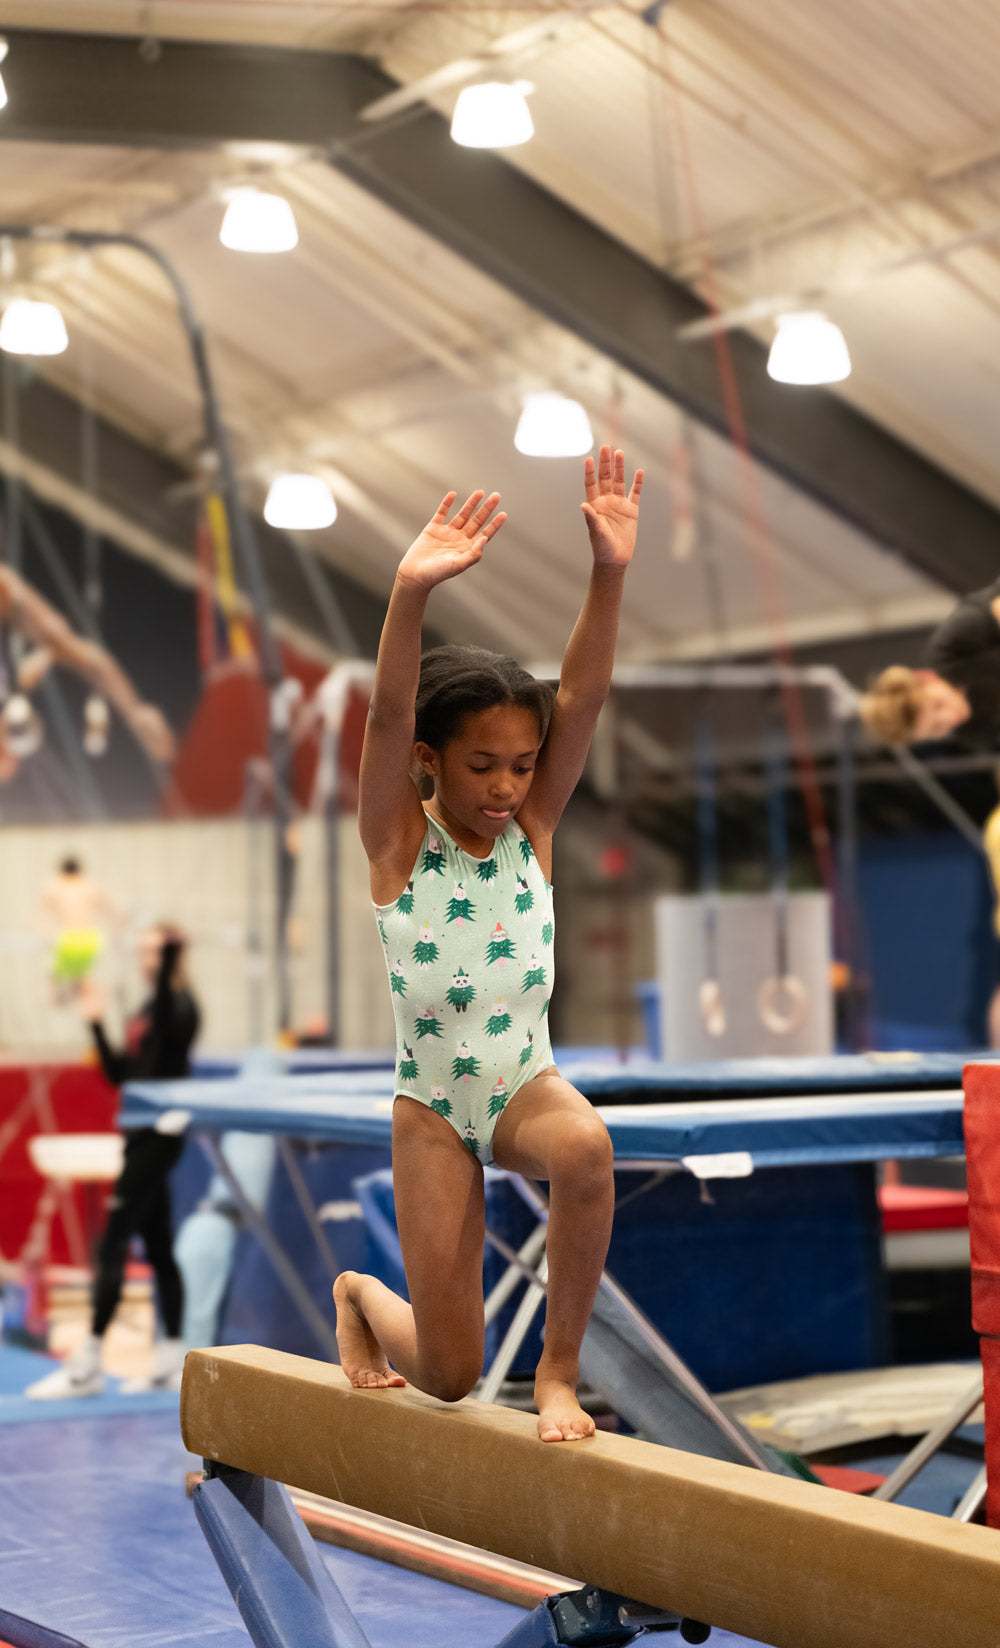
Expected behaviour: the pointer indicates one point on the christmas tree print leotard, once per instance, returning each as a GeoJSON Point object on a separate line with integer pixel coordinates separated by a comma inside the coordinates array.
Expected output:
{"type": "Point", "coordinates": [469, 957]}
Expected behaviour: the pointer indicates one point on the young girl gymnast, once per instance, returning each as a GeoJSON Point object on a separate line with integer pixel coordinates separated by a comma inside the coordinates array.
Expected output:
{"type": "Point", "coordinates": [462, 890]}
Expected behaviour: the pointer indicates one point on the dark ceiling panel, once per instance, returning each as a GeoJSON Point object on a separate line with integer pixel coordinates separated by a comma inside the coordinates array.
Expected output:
{"type": "Point", "coordinates": [79, 88]}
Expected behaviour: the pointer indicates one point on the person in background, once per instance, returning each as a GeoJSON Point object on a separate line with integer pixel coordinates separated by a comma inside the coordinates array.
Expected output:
{"type": "Point", "coordinates": [158, 1040]}
{"type": "Point", "coordinates": [960, 690]}
{"type": "Point", "coordinates": [76, 909]}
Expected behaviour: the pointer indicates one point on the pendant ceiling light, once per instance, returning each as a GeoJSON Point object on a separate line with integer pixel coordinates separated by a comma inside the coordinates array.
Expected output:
{"type": "Point", "coordinates": [258, 222]}
{"type": "Point", "coordinates": [4, 48]}
{"type": "Point", "coordinates": [553, 426]}
{"type": "Point", "coordinates": [31, 328]}
{"type": "Point", "coordinates": [299, 503]}
{"type": "Point", "coordinates": [808, 348]}
{"type": "Point", "coordinates": [492, 116]}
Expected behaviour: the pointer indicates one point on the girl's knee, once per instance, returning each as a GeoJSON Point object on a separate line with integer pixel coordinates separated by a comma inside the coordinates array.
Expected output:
{"type": "Point", "coordinates": [450, 1348]}
{"type": "Point", "coordinates": [451, 1377]}
{"type": "Point", "coordinates": [450, 1385]}
{"type": "Point", "coordinates": [583, 1150]}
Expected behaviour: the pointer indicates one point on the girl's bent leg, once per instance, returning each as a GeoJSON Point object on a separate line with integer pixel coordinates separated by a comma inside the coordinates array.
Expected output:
{"type": "Point", "coordinates": [549, 1131]}
{"type": "Point", "coordinates": [435, 1341]}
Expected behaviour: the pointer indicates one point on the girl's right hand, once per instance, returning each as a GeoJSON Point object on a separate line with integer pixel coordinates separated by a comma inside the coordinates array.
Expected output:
{"type": "Point", "coordinates": [446, 548]}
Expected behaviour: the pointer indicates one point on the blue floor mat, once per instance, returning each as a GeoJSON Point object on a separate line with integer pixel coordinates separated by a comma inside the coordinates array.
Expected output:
{"type": "Point", "coordinates": [20, 1368]}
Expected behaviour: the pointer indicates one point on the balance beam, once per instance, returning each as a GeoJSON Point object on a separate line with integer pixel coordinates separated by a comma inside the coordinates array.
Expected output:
{"type": "Point", "coordinates": [782, 1561]}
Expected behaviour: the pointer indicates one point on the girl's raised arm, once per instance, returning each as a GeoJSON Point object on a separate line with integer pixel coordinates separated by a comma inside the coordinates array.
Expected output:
{"type": "Point", "coordinates": [390, 816]}
{"type": "Point", "coordinates": [612, 516]}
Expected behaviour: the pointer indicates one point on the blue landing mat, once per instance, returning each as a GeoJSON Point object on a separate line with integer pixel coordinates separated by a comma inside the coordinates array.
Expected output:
{"type": "Point", "coordinates": [20, 1368]}
{"type": "Point", "coordinates": [97, 1540]}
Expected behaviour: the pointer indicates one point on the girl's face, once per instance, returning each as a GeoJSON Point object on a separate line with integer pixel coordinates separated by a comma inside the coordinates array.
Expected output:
{"type": "Point", "coordinates": [482, 775]}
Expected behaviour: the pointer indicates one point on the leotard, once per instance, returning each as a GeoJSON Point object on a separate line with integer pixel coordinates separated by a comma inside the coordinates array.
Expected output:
{"type": "Point", "coordinates": [469, 952]}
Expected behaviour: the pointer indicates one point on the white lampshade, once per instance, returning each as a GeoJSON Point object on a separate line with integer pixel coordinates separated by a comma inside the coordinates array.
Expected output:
{"type": "Point", "coordinates": [553, 426]}
{"type": "Point", "coordinates": [3, 89]}
{"type": "Point", "coordinates": [30, 328]}
{"type": "Point", "coordinates": [491, 116]}
{"type": "Point", "coordinates": [808, 348]}
{"type": "Point", "coordinates": [299, 503]}
{"type": "Point", "coordinates": [258, 222]}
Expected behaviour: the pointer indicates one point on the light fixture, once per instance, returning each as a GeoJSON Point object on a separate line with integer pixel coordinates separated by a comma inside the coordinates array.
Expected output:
{"type": "Point", "coordinates": [258, 222]}
{"type": "Point", "coordinates": [22, 730]}
{"type": "Point", "coordinates": [299, 503]}
{"type": "Point", "coordinates": [808, 348]}
{"type": "Point", "coordinates": [32, 328]}
{"type": "Point", "coordinates": [4, 48]}
{"type": "Point", "coordinates": [553, 426]}
{"type": "Point", "coordinates": [492, 116]}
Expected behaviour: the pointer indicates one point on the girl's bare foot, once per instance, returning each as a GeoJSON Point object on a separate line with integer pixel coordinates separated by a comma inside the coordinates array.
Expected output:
{"type": "Point", "coordinates": [560, 1416]}
{"type": "Point", "coordinates": [361, 1355]}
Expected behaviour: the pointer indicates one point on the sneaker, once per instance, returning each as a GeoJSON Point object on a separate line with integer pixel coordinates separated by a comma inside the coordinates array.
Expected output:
{"type": "Point", "coordinates": [136, 1387]}
{"type": "Point", "coordinates": [168, 1381]}
{"type": "Point", "coordinates": [166, 1369]}
{"type": "Point", "coordinates": [168, 1364]}
{"type": "Point", "coordinates": [67, 1381]}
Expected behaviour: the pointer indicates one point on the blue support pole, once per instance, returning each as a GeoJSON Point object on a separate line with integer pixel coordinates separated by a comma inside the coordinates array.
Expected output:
{"type": "Point", "coordinates": [285, 1594]}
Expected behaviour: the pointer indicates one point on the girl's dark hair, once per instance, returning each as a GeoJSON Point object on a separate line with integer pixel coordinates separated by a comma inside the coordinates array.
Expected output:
{"type": "Point", "coordinates": [457, 681]}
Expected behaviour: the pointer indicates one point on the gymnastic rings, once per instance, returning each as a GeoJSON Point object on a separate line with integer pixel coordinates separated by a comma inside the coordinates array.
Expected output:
{"type": "Point", "coordinates": [783, 1003]}
{"type": "Point", "coordinates": [712, 1008]}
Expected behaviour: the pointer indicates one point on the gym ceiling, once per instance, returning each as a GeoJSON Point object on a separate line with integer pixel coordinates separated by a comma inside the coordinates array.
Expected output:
{"type": "Point", "coordinates": [705, 156]}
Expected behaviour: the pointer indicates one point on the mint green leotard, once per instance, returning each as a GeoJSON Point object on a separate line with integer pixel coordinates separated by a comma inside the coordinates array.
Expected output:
{"type": "Point", "coordinates": [468, 946]}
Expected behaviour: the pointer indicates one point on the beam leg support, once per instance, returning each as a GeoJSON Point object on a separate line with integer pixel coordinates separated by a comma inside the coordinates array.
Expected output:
{"type": "Point", "coordinates": [592, 1618]}
{"type": "Point", "coordinates": [279, 1583]}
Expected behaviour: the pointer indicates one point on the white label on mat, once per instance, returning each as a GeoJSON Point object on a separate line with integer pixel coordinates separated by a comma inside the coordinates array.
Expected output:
{"type": "Point", "coordinates": [729, 1164]}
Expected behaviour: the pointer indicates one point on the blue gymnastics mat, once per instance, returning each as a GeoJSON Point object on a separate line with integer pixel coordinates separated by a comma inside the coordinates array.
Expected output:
{"type": "Point", "coordinates": [20, 1368]}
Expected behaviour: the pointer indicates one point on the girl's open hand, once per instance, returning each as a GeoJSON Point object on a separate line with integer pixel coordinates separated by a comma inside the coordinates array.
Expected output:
{"type": "Point", "coordinates": [446, 548]}
{"type": "Point", "coordinates": [612, 513]}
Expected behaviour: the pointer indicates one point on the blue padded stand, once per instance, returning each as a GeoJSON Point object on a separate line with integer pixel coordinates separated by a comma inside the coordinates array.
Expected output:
{"type": "Point", "coordinates": [283, 1591]}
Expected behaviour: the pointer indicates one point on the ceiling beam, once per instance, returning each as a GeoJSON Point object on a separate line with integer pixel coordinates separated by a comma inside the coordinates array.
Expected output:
{"type": "Point", "coordinates": [101, 89]}
{"type": "Point", "coordinates": [98, 88]}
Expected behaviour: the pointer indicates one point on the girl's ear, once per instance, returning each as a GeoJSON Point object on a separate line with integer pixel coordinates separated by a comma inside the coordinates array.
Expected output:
{"type": "Point", "coordinates": [423, 768]}
{"type": "Point", "coordinates": [426, 759]}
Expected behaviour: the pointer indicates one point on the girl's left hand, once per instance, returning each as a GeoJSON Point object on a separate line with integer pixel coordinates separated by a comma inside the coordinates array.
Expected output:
{"type": "Point", "coordinates": [612, 513]}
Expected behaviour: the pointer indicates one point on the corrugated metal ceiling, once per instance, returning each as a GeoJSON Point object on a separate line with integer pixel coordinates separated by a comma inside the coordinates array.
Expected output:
{"type": "Point", "coordinates": [801, 149]}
